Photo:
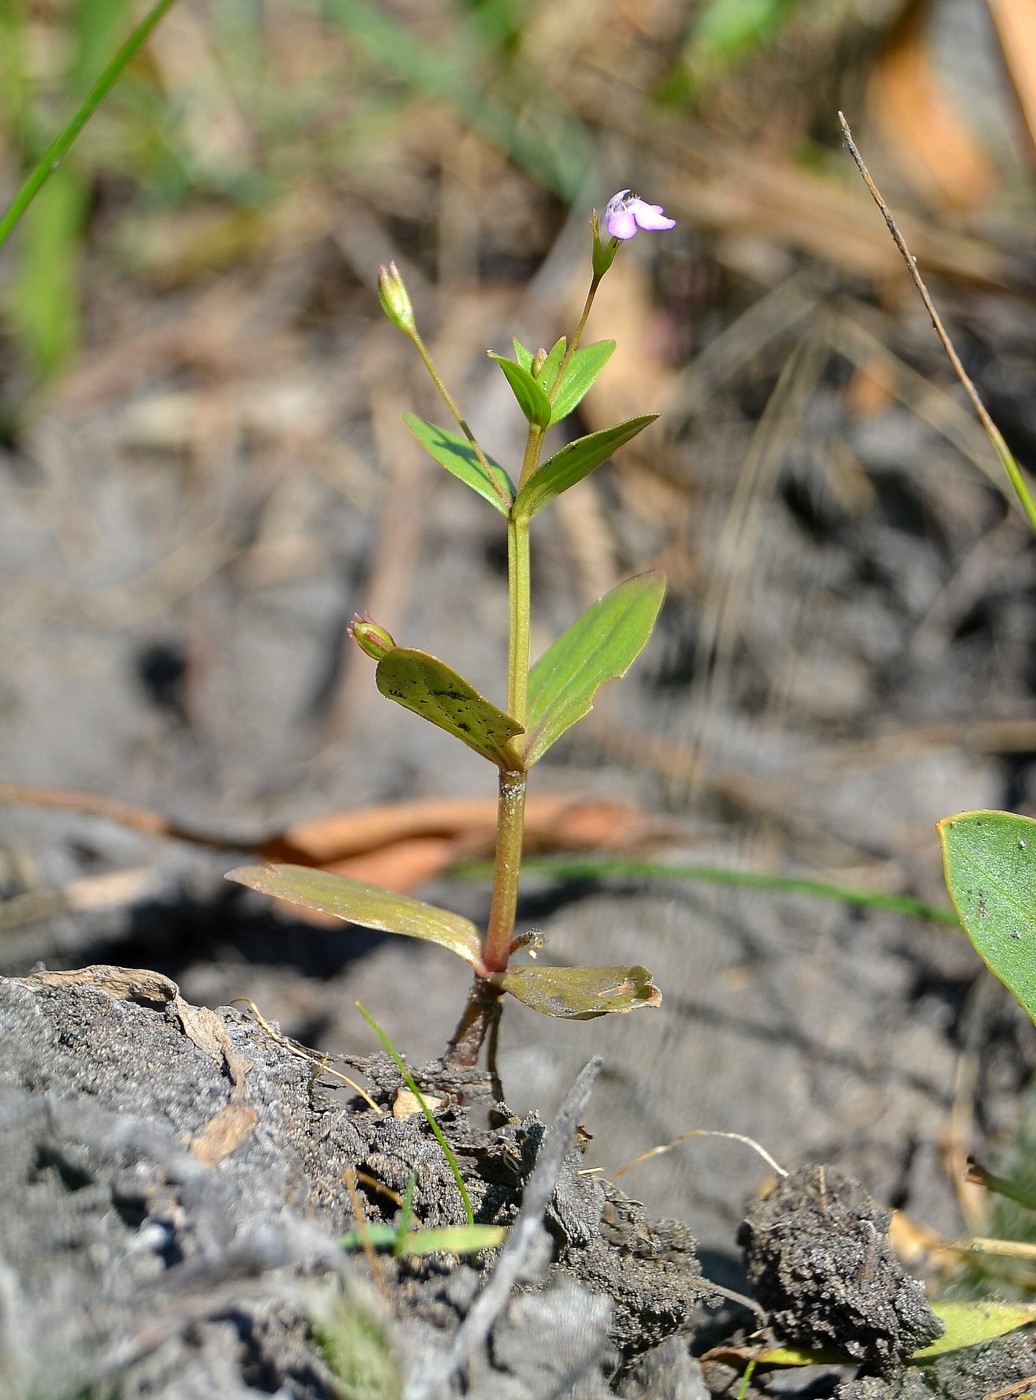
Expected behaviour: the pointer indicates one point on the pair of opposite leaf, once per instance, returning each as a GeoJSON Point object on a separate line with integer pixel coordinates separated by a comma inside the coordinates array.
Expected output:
{"type": "Point", "coordinates": [599, 646]}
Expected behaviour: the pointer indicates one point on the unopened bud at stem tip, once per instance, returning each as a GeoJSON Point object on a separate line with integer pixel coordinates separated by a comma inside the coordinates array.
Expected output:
{"type": "Point", "coordinates": [370, 637]}
{"type": "Point", "coordinates": [394, 298]}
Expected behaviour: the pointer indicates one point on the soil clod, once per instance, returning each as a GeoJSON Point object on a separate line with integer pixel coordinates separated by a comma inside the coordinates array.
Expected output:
{"type": "Point", "coordinates": [818, 1257]}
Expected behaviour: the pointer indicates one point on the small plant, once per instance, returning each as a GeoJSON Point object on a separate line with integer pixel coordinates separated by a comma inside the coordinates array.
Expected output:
{"type": "Point", "coordinates": [542, 702]}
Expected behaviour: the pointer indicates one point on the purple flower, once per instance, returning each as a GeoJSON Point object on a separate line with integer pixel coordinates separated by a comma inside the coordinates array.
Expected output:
{"type": "Point", "coordinates": [626, 212]}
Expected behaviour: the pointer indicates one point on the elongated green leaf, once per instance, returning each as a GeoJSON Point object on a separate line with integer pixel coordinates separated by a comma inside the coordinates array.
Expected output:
{"type": "Point", "coordinates": [580, 993]}
{"type": "Point", "coordinates": [449, 1239]}
{"type": "Point", "coordinates": [583, 368]}
{"type": "Point", "coordinates": [968, 1324]}
{"type": "Point", "coordinates": [965, 1324]}
{"type": "Point", "coordinates": [549, 368]}
{"type": "Point", "coordinates": [429, 687]}
{"type": "Point", "coordinates": [458, 456]}
{"type": "Point", "coordinates": [532, 399]}
{"type": "Point", "coordinates": [574, 462]}
{"type": "Point", "coordinates": [523, 356]}
{"type": "Point", "coordinates": [600, 646]}
{"type": "Point", "coordinates": [53, 156]}
{"type": "Point", "coordinates": [793, 1355]}
{"type": "Point", "coordinates": [989, 860]}
{"type": "Point", "coordinates": [370, 906]}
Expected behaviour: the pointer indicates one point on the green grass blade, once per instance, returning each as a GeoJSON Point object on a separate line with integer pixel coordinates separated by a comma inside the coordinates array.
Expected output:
{"type": "Point", "coordinates": [429, 1115]}
{"type": "Point", "coordinates": [58, 148]}
{"type": "Point", "coordinates": [44, 298]}
{"type": "Point", "coordinates": [445, 1239]}
{"type": "Point", "coordinates": [601, 867]}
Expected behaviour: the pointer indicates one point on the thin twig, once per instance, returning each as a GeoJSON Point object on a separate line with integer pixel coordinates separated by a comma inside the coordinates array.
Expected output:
{"type": "Point", "coordinates": [995, 436]}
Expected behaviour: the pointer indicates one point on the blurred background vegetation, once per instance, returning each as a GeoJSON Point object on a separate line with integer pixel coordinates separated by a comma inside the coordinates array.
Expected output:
{"type": "Point", "coordinates": [461, 131]}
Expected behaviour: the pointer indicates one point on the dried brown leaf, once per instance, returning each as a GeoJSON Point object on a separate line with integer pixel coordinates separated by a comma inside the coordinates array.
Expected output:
{"type": "Point", "coordinates": [223, 1133]}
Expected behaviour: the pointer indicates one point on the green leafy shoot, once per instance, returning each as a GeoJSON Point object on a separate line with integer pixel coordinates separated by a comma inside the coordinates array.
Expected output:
{"type": "Point", "coordinates": [530, 395]}
{"type": "Point", "coordinates": [989, 860]}
{"type": "Point", "coordinates": [545, 700]}
{"type": "Point", "coordinates": [600, 645]}
{"type": "Point", "coordinates": [574, 462]}
{"type": "Point", "coordinates": [429, 1115]}
{"type": "Point", "coordinates": [431, 689]}
{"type": "Point", "coordinates": [355, 1335]}
{"type": "Point", "coordinates": [370, 906]}
{"type": "Point", "coordinates": [746, 1380]}
{"type": "Point", "coordinates": [584, 365]}
{"type": "Point", "coordinates": [458, 456]}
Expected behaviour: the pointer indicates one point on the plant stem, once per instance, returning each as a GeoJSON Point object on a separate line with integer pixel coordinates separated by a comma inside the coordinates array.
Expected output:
{"type": "Point", "coordinates": [510, 819]}
{"type": "Point", "coordinates": [518, 596]}
{"type": "Point", "coordinates": [510, 832]}
{"type": "Point", "coordinates": [574, 342]}
{"type": "Point", "coordinates": [480, 1014]}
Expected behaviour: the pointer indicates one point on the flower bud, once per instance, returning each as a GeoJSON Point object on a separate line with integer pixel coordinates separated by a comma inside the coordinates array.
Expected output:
{"type": "Point", "coordinates": [394, 298]}
{"type": "Point", "coordinates": [369, 637]}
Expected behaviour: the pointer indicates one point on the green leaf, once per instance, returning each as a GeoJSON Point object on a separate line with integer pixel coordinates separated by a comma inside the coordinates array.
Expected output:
{"type": "Point", "coordinates": [600, 646]}
{"type": "Point", "coordinates": [532, 399]}
{"type": "Point", "coordinates": [449, 1239]}
{"type": "Point", "coordinates": [367, 905]}
{"type": "Point", "coordinates": [580, 993]}
{"type": "Point", "coordinates": [989, 860]}
{"type": "Point", "coordinates": [549, 368]}
{"type": "Point", "coordinates": [523, 356]}
{"type": "Point", "coordinates": [574, 462]}
{"type": "Point", "coordinates": [429, 687]}
{"type": "Point", "coordinates": [458, 456]}
{"type": "Point", "coordinates": [583, 368]}
{"type": "Point", "coordinates": [968, 1324]}
{"type": "Point", "coordinates": [793, 1355]}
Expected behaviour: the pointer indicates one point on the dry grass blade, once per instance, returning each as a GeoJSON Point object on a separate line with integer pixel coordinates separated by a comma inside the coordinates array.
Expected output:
{"type": "Point", "coordinates": [319, 1062]}
{"type": "Point", "coordinates": [992, 431]}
